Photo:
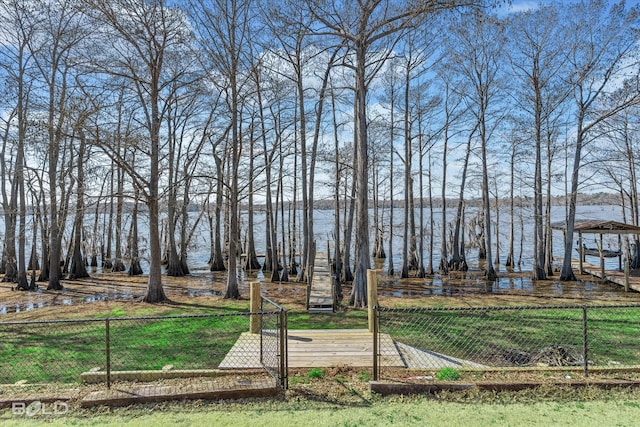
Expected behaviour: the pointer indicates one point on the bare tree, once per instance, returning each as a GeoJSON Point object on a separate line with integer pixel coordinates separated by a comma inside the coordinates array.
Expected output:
{"type": "Point", "coordinates": [224, 30]}
{"type": "Point", "coordinates": [56, 48]}
{"type": "Point", "coordinates": [603, 39]}
{"type": "Point", "coordinates": [537, 58]}
{"type": "Point", "coordinates": [363, 28]}
{"type": "Point", "coordinates": [83, 109]}
{"type": "Point", "coordinates": [141, 36]}
{"type": "Point", "coordinates": [479, 48]}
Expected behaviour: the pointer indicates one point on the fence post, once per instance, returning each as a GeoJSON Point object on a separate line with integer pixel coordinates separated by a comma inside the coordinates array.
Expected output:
{"type": "Point", "coordinates": [254, 321]}
{"type": "Point", "coordinates": [372, 295]}
{"type": "Point", "coordinates": [585, 347]}
{"type": "Point", "coordinates": [284, 368]}
{"type": "Point", "coordinates": [108, 349]}
{"type": "Point", "coordinates": [375, 314]}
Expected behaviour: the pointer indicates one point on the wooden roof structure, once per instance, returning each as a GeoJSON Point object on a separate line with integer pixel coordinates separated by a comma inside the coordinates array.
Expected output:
{"type": "Point", "coordinates": [599, 227]}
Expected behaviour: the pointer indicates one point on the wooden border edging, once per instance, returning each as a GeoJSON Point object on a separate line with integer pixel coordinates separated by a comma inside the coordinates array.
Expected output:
{"type": "Point", "coordinates": [153, 375]}
{"type": "Point", "coordinates": [388, 388]}
{"type": "Point", "coordinates": [125, 399]}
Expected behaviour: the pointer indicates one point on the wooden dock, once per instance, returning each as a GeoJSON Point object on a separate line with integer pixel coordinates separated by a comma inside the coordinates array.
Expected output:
{"type": "Point", "coordinates": [613, 276]}
{"type": "Point", "coordinates": [321, 299]}
{"type": "Point", "coordinates": [317, 348]}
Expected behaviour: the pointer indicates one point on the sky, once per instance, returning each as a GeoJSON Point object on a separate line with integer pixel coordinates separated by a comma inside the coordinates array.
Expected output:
{"type": "Point", "coordinates": [523, 5]}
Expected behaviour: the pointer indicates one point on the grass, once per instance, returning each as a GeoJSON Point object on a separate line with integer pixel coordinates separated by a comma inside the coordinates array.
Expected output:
{"type": "Point", "coordinates": [448, 374]}
{"type": "Point", "coordinates": [484, 335]}
{"type": "Point", "coordinates": [419, 410]}
{"type": "Point", "coordinates": [364, 376]}
{"type": "Point", "coordinates": [59, 352]}
{"type": "Point", "coordinates": [316, 373]}
{"type": "Point", "coordinates": [65, 350]}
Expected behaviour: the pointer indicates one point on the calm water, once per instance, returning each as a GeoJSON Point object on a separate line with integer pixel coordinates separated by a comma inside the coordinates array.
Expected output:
{"type": "Point", "coordinates": [199, 249]}
{"type": "Point", "coordinates": [323, 221]}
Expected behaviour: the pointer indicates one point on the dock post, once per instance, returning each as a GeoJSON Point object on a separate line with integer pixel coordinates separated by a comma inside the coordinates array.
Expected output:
{"type": "Point", "coordinates": [600, 249]}
{"type": "Point", "coordinates": [254, 321]}
{"type": "Point", "coordinates": [372, 296]}
{"type": "Point", "coordinates": [626, 274]}
{"type": "Point", "coordinates": [581, 250]}
{"type": "Point", "coordinates": [620, 256]}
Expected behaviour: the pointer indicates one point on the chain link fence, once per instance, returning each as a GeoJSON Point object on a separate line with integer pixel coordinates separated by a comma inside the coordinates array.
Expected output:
{"type": "Point", "coordinates": [273, 342]}
{"type": "Point", "coordinates": [502, 337]}
{"type": "Point", "coordinates": [60, 351]}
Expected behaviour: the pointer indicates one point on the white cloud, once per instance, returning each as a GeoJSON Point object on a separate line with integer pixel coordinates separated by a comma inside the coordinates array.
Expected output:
{"type": "Point", "coordinates": [523, 6]}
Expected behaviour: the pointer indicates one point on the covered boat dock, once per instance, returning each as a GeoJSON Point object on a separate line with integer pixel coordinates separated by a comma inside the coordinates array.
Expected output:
{"type": "Point", "coordinates": [600, 228]}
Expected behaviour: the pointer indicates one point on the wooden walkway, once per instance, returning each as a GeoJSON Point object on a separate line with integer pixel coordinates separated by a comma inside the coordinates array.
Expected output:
{"type": "Point", "coordinates": [613, 276]}
{"type": "Point", "coordinates": [317, 348]}
{"type": "Point", "coordinates": [323, 348]}
{"type": "Point", "coordinates": [321, 292]}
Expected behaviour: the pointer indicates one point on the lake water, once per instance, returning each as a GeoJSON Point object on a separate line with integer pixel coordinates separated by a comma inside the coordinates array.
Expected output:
{"type": "Point", "coordinates": [511, 284]}
{"type": "Point", "coordinates": [199, 250]}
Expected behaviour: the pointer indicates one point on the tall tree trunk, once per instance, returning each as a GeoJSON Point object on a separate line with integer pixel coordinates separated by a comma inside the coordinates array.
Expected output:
{"type": "Point", "coordinates": [284, 275]}
{"type": "Point", "coordinates": [408, 185]}
{"type": "Point", "coordinates": [232, 290]}
{"type": "Point", "coordinates": [490, 273]}
{"type": "Point", "coordinates": [252, 259]}
{"type": "Point", "coordinates": [293, 214]}
{"type": "Point", "coordinates": [337, 264]}
{"type": "Point", "coordinates": [21, 279]}
{"type": "Point", "coordinates": [549, 232]}
{"type": "Point", "coordinates": [431, 222]}
{"type": "Point", "coordinates": [118, 264]}
{"type": "Point", "coordinates": [390, 269]}
{"type": "Point", "coordinates": [538, 246]}
{"type": "Point", "coordinates": [134, 267]}
{"type": "Point", "coordinates": [509, 262]}
{"type": "Point", "coordinates": [421, 270]}
{"type": "Point", "coordinates": [358, 296]}
{"type": "Point", "coordinates": [155, 292]}
{"type": "Point", "coordinates": [217, 263]}
{"type": "Point", "coordinates": [349, 206]}
{"type": "Point", "coordinates": [107, 263]}
{"type": "Point", "coordinates": [44, 233]}
{"type": "Point", "coordinates": [78, 268]}
{"type": "Point", "coordinates": [497, 201]}
{"type": "Point", "coordinates": [457, 256]}
{"type": "Point", "coordinates": [307, 238]}
{"type": "Point", "coordinates": [174, 267]}
{"type": "Point", "coordinates": [444, 255]}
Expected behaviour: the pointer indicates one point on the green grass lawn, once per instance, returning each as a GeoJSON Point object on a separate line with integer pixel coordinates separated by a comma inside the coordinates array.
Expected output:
{"type": "Point", "coordinates": [397, 411]}
{"type": "Point", "coordinates": [480, 335]}
{"type": "Point", "coordinates": [60, 351]}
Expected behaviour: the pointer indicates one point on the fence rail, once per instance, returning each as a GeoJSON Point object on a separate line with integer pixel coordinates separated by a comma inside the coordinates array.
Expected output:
{"type": "Point", "coordinates": [61, 350]}
{"type": "Point", "coordinates": [501, 337]}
